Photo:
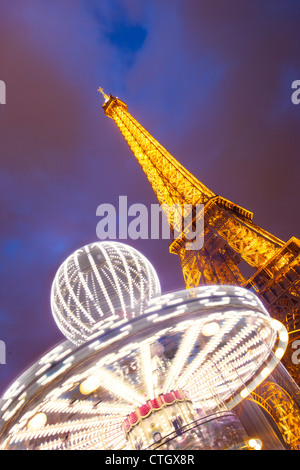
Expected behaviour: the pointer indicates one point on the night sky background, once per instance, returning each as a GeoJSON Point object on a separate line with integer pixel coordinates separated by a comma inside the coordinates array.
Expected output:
{"type": "Point", "coordinates": [209, 79]}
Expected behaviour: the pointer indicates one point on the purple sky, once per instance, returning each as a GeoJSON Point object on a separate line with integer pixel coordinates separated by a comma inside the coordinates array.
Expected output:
{"type": "Point", "coordinates": [211, 80]}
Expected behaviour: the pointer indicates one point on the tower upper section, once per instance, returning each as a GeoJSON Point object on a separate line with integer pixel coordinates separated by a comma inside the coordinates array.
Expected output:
{"type": "Point", "coordinates": [175, 185]}
{"type": "Point", "coordinates": [171, 182]}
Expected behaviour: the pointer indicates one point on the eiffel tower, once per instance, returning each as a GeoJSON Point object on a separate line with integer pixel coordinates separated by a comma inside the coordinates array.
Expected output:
{"type": "Point", "coordinates": [230, 236]}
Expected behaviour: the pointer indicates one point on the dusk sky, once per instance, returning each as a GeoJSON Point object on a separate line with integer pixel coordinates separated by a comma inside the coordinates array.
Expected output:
{"type": "Point", "coordinates": [211, 80]}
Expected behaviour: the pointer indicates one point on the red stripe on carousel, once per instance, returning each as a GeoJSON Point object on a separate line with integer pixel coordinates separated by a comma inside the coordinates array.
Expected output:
{"type": "Point", "coordinates": [169, 398]}
{"type": "Point", "coordinates": [126, 424]}
{"type": "Point", "coordinates": [133, 417]}
{"type": "Point", "coordinates": [156, 403]}
{"type": "Point", "coordinates": [178, 395]}
{"type": "Point", "coordinates": [145, 409]}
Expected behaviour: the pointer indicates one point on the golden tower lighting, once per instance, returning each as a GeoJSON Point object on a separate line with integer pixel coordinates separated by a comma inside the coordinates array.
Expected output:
{"type": "Point", "coordinates": [230, 236]}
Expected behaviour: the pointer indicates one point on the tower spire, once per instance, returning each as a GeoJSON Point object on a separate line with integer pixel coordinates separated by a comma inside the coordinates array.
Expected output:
{"type": "Point", "coordinates": [105, 96]}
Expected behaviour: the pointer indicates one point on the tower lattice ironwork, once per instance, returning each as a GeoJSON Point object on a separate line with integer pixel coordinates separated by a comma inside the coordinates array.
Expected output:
{"type": "Point", "coordinates": [230, 235]}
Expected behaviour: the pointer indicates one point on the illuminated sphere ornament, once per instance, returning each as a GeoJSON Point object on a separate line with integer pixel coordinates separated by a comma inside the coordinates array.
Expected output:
{"type": "Point", "coordinates": [99, 283]}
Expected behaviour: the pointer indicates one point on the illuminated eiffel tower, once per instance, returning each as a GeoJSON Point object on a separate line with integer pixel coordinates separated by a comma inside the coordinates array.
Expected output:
{"type": "Point", "coordinates": [230, 235]}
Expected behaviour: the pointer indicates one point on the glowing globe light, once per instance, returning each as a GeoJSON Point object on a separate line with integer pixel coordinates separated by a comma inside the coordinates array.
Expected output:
{"type": "Point", "coordinates": [101, 282]}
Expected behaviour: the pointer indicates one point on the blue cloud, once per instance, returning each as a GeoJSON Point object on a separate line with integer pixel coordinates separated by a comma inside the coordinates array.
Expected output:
{"type": "Point", "coordinates": [128, 38]}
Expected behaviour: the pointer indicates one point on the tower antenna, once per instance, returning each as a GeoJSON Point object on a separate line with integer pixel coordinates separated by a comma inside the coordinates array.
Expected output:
{"type": "Point", "coordinates": [106, 97]}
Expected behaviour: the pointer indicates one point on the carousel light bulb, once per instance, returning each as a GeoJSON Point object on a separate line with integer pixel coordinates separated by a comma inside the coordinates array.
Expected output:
{"type": "Point", "coordinates": [91, 384]}
{"type": "Point", "coordinates": [37, 422]}
{"type": "Point", "coordinates": [255, 444]}
{"type": "Point", "coordinates": [279, 353]}
{"type": "Point", "coordinates": [283, 336]}
{"type": "Point", "coordinates": [210, 329]}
